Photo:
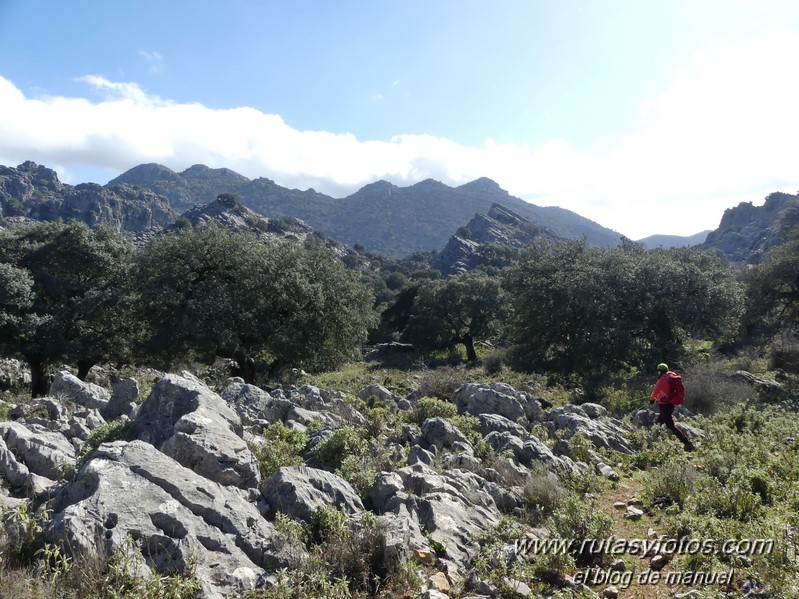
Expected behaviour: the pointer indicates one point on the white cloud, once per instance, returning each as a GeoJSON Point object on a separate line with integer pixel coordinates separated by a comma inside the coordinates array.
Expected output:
{"type": "Point", "coordinates": [724, 131]}
{"type": "Point", "coordinates": [154, 60]}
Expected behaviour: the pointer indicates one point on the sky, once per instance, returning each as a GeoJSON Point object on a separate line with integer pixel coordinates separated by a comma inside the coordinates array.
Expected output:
{"type": "Point", "coordinates": [646, 116]}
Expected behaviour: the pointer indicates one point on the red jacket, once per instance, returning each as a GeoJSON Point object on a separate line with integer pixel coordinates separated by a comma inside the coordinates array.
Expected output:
{"type": "Point", "coordinates": [662, 390]}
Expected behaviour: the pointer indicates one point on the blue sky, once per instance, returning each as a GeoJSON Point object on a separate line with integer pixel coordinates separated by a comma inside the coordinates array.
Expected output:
{"type": "Point", "coordinates": [647, 116]}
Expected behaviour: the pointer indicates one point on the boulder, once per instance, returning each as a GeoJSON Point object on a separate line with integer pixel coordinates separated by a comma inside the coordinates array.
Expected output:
{"type": "Point", "coordinates": [43, 452]}
{"type": "Point", "coordinates": [495, 398]}
{"type": "Point", "coordinates": [256, 408]}
{"type": "Point", "coordinates": [190, 423]}
{"type": "Point", "coordinates": [378, 391]}
{"type": "Point", "coordinates": [173, 515]}
{"type": "Point", "coordinates": [299, 491]}
{"type": "Point", "coordinates": [10, 469]}
{"type": "Point", "coordinates": [67, 386]}
{"type": "Point", "coordinates": [440, 433]}
{"type": "Point", "coordinates": [602, 433]}
{"type": "Point", "coordinates": [490, 423]}
{"type": "Point", "coordinates": [124, 394]}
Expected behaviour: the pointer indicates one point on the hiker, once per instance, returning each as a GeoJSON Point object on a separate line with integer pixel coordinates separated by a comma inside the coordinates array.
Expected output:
{"type": "Point", "coordinates": [668, 392]}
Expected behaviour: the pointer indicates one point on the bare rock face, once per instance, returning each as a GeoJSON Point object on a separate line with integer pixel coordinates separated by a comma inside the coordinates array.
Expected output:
{"type": "Point", "coordinates": [34, 191]}
{"type": "Point", "coordinates": [173, 515]}
{"type": "Point", "coordinates": [195, 426]}
{"type": "Point", "coordinates": [299, 491]}
{"type": "Point", "coordinates": [496, 398]}
{"type": "Point", "coordinates": [42, 451]}
{"type": "Point", "coordinates": [746, 232]}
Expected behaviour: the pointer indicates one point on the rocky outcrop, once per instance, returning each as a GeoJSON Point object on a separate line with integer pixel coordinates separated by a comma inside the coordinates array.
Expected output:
{"type": "Point", "coordinates": [196, 427]}
{"type": "Point", "coordinates": [34, 191]}
{"type": "Point", "coordinates": [747, 232]}
{"type": "Point", "coordinates": [299, 491]}
{"type": "Point", "coordinates": [467, 249]}
{"type": "Point", "coordinates": [174, 515]}
{"type": "Point", "coordinates": [496, 398]}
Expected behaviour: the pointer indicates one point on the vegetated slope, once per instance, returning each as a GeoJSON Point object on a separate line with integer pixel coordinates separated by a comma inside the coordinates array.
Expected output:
{"type": "Point", "coordinates": [382, 217]}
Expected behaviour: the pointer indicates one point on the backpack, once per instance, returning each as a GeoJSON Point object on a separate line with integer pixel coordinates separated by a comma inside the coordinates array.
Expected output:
{"type": "Point", "coordinates": [677, 393]}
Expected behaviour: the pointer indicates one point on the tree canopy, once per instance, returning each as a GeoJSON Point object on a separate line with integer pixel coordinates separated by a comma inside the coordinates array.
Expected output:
{"type": "Point", "coordinates": [63, 290]}
{"type": "Point", "coordinates": [588, 311]}
{"type": "Point", "coordinates": [210, 292]}
{"type": "Point", "coordinates": [456, 310]}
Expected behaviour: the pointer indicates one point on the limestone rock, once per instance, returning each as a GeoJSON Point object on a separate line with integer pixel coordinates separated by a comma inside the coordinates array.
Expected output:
{"type": "Point", "coordinates": [299, 491]}
{"type": "Point", "coordinates": [42, 451]}
{"type": "Point", "coordinates": [496, 398]}
{"type": "Point", "coordinates": [67, 386]}
{"type": "Point", "coordinates": [189, 422]}
{"type": "Point", "coordinates": [173, 514]}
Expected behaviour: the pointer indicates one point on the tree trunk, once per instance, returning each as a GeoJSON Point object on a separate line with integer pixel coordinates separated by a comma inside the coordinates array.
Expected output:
{"type": "Point", "coordinates": [39, 383]}
{"type": "Point", "coordinates": [246, 368]}
{"type": "Point", "coordinates": [471, 355]}
{"type": "Point", "coordinates": [84, 366]}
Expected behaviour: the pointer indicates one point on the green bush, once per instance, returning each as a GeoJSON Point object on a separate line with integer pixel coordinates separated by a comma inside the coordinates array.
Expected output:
{"type": "Point", "coordinates": [281, 447]}
{"type": "Point", "coordinates": [116, 430]}
{"type": "Point", "coordinates": [345, 559]}
{"type": "Point", "coordinates": [494, 362]}
{"type": "Point", "coordinates": [441, 382]}
{"type": "Point", "coordinates": [708, 389]}
{"type": "Point", "coordinates": [432, 407]}
{"type": "Point", "coordinates": [543, 493]}
{"type": "Point", "coordinates": [671, 483]}
{"type": "Point", "coordinates": [330, 452]}
{"type": "Point", "coordinates": [577, 519]}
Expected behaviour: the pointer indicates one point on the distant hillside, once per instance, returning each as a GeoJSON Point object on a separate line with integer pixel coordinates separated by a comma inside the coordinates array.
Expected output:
{"type": "Point", "coordinates": [673, 241]}
{"type": "Point", "coordinates": [382, 217]}
{"type": "Point", "coordinates": [747, 232]}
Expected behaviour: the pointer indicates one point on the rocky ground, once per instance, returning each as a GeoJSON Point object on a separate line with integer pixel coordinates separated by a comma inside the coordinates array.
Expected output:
{"type": "Point", "coordinates": [183, 482]}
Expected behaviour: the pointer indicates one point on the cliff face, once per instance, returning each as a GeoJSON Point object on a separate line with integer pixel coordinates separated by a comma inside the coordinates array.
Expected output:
{"type": "Point", "coordinates": [34, 191]}
{"type": "Point", "coordinates": [747, 232]}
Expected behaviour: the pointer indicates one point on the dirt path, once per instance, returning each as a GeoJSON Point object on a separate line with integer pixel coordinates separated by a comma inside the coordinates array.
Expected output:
{"type": "Point", "coordinates": [637, 580]}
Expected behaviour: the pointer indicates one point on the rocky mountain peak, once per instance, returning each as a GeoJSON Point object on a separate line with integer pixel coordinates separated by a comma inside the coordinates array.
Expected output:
{"type": "Point", "coordinates": [34, 192]}
{"type": "Point", "coordinates": [483, 185]}
{"type": "Point", "coordinates": [500, 226]}
{"type": "Point", "coordinates": [747, 232]}
{"type": "Point", "coordinates": [145, 173]}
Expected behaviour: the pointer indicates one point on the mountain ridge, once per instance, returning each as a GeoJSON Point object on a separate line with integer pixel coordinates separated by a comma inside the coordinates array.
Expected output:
{"type": "Point", "coordinates": [380, 216]}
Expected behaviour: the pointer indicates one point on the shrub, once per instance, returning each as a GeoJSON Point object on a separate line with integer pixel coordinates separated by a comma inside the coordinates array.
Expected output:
{"type": "Point", "coordinates": [330, 453]}
{"type": "Point", "coordinates": [494, 362]}
{"type": "Point", "coordinates": [543, 493]}
{"type": "Point", "coordinates": [580, 448]}
{"type": "Point", "coordinates": [576, 519]}
{"type": "Point", "coordinates": [671, 483]}
{"type": "Point", "coordinates": [432, 407]}
{"type": "Point", "coordinates": [116, 430]}
{"type": "Point", "coordinates": [345, 550]}
{"type": "Point", "coordinates": [281, 447]}
{"type": "Point", "coordinates": [709, 390]}
{"type": "Point", "coordinates": [441, 382]}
